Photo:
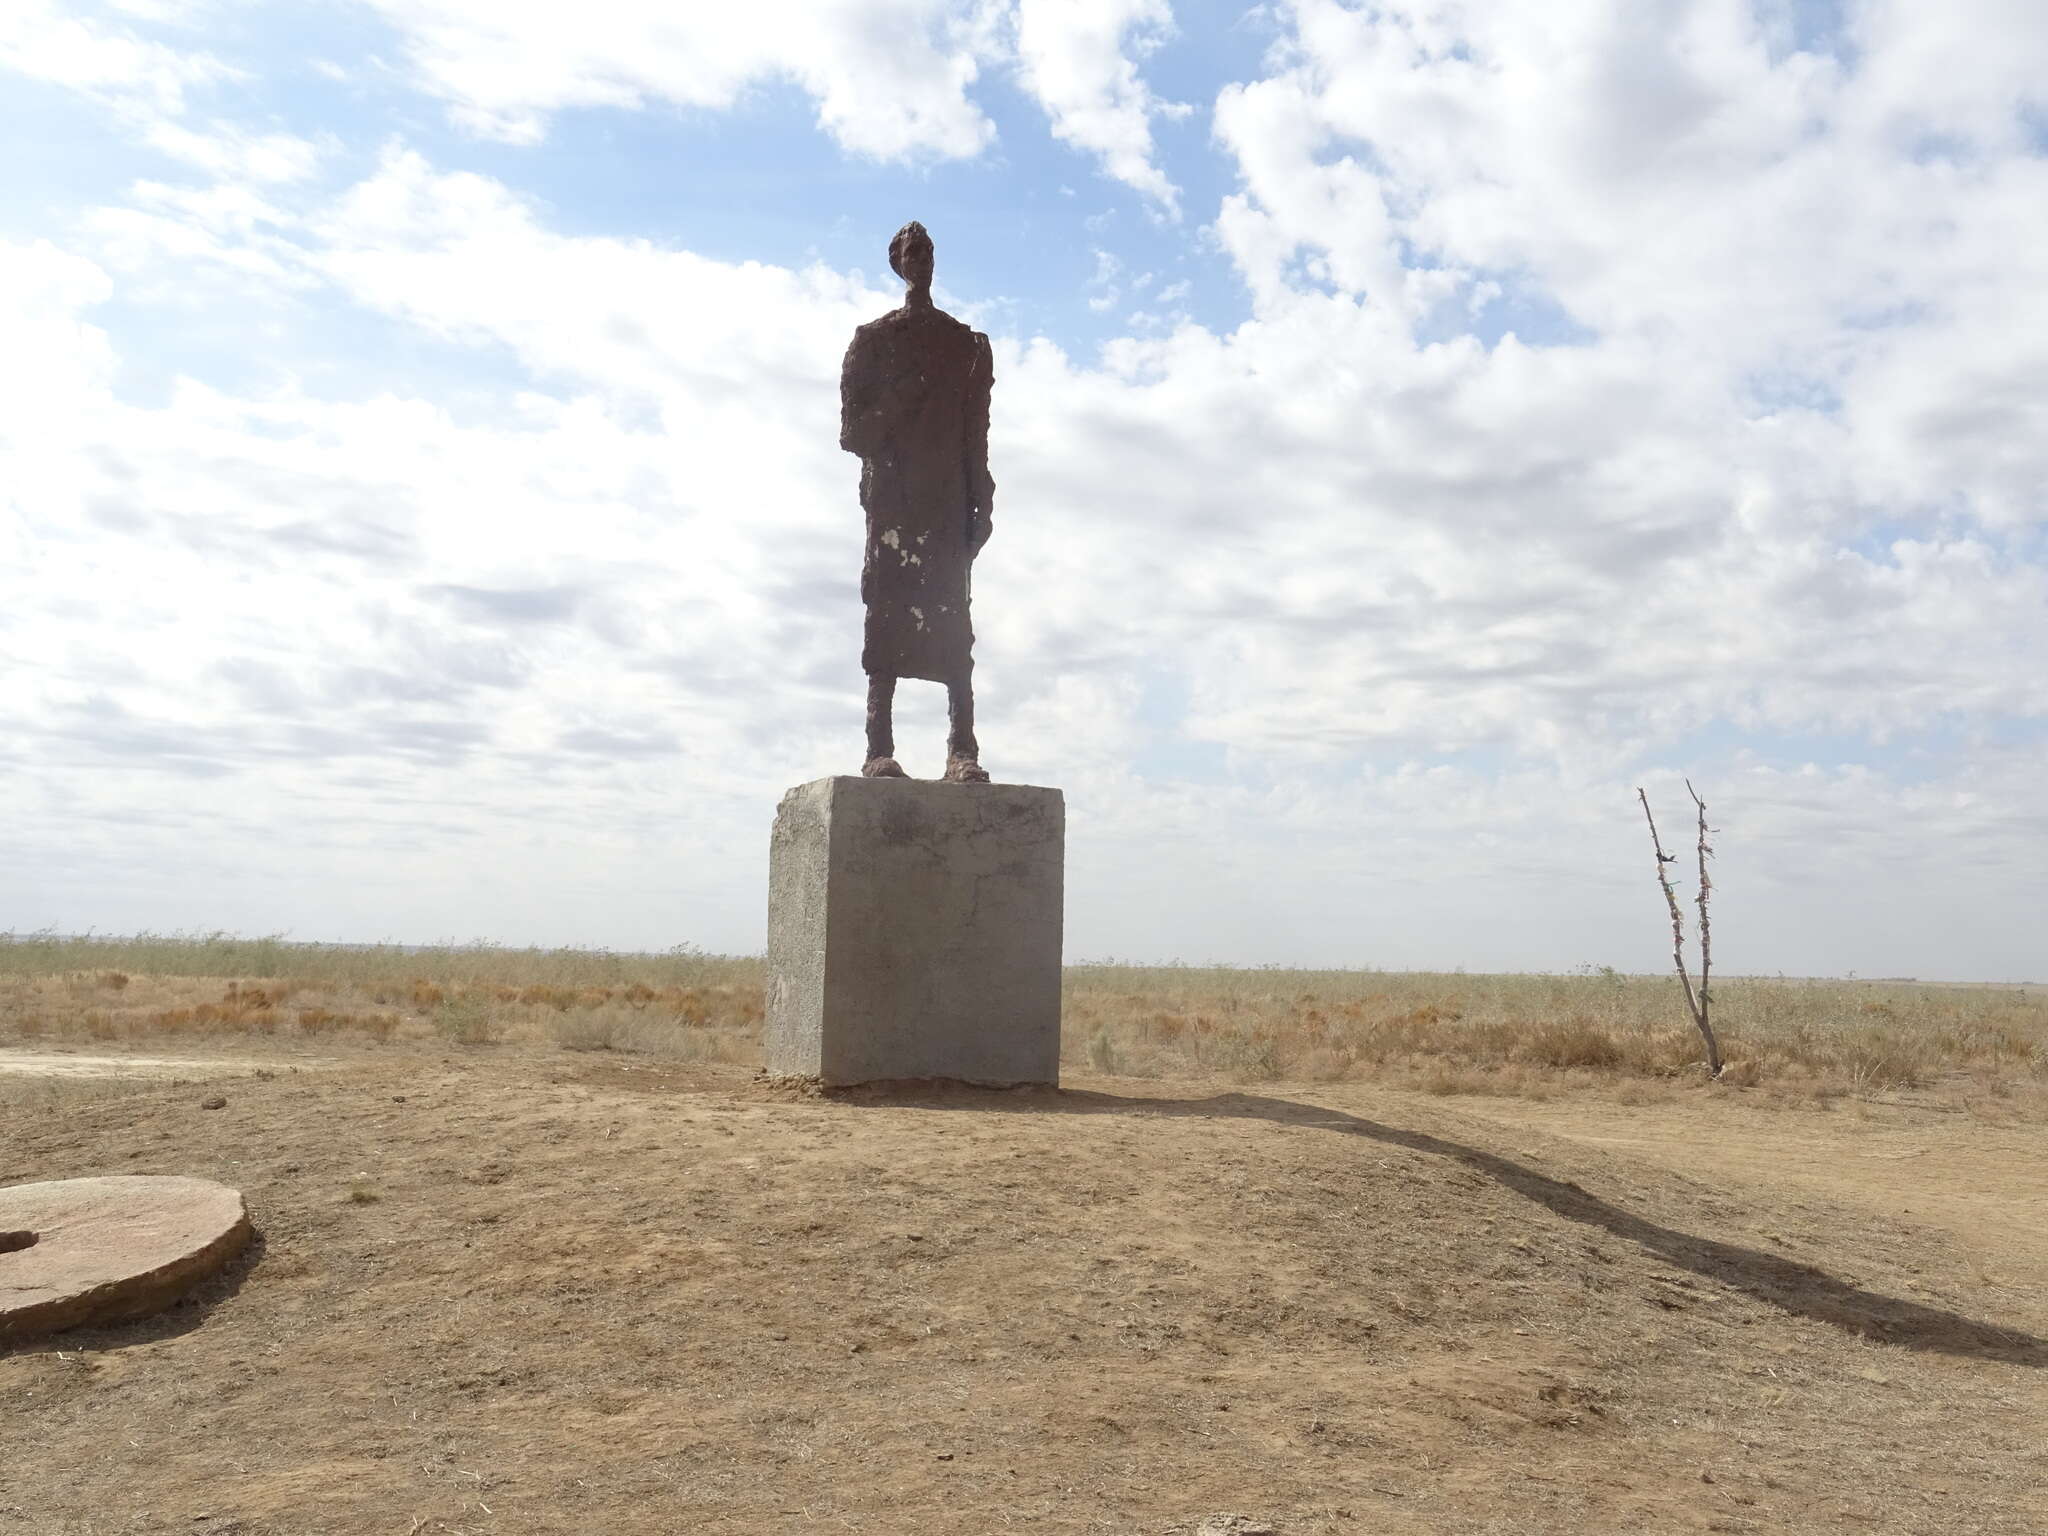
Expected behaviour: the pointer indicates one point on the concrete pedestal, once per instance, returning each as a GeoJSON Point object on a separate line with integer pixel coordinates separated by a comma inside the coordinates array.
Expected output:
{"type": "Point", "coordinates": [914, 931]}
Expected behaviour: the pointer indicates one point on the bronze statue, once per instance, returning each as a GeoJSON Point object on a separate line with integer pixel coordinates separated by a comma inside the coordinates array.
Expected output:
{"type": "Point", "coordinates": [914, 396]}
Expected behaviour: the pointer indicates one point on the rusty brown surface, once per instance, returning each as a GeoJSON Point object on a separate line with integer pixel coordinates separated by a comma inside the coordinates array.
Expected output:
{"type": "Point", "coordinates": [914, 404]}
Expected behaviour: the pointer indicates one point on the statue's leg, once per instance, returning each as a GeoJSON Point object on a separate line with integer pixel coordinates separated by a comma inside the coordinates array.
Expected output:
{"type": "Point", "coordinates": [881, 763]}
{"type": "Point", "coordinates": [963, 752]}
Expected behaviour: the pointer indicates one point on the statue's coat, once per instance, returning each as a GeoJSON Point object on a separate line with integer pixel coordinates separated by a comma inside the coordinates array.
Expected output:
{"type": "Point", "coordinates": [914, 399]}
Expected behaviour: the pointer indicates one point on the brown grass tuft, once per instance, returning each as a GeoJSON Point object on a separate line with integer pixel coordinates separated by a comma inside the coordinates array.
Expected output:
{"type": "Point", "coordinates": [1573, 1042]}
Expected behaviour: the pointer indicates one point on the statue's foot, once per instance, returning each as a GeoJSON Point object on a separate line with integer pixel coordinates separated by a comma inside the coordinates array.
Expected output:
{"type": "Point", "coordinates": [883, 768]}
{"type": "Point", "coordinates": [965, 770]}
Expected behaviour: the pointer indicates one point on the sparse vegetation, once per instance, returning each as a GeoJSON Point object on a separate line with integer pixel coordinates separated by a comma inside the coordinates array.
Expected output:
{"type": "Point", "coordinates": [1594, 1031]}
{"type": "Point", "coordinates": [20, 1092]}
{"type": "Point", "coordinates": [393, 968]}
{"type": "Point", "coordinates": [1538, 1035]}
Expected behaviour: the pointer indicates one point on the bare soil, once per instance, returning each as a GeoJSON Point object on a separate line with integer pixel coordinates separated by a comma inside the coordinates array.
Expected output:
{"type": "Point", "coordinates": [520, 1290]}
{"type": "Point", "coordinates": [71, 1063]}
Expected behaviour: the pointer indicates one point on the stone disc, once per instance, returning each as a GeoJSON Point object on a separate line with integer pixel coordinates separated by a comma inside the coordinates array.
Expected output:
{"type": "Point", "coordinates": [77, 1251]}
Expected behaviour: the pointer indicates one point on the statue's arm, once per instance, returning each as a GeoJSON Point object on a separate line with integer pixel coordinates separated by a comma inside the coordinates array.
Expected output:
{"type": "Point", "coordinates": [858, 386]}
{"type": "Point", "coordinates": [981, 485]}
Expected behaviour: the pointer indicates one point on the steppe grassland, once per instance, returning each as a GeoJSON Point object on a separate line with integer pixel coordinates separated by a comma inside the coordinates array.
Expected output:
{"type": "Point", "coordinates": [1621, 1036]}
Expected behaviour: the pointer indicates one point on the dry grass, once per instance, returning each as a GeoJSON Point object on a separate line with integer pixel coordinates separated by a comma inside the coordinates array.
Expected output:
{"type": "Point", "coordinates": [63, 1093]}
{"type": "Point", "coordinates": [1536, 1034]}
{"type": "Point", "coordinates": [1625, 1037]}
{"type": "Point", "coordinates": [393, 967]}
{"type": "Point", "coordinates": [682, 1004]}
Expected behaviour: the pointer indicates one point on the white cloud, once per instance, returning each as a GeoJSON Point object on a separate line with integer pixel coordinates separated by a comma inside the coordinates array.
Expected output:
{"type": "Point", "coordinates": [1076, 57]}
{"type": "Point", "coordinates": [1106, 293]}
{"type": "Point", "coordinates": [43, 40]}
{"type": "Point", "coordinates": [228, 153]}
{"type": "Point", "coordinates": [145, 85]}
{"type": "Point", "coordinates": [1741, 223]}
{"type": "Point", "coordinates": [1349, 634]}
{"type": "Point", "coordinates": [1655, 172]}
{"type": "Point", "coordinates": [1596, 485]}
{"type": "Point", "coordinates": [890, 77]}
{"type": "Point", "coordinates": [360, 625]}
{"type": "Point", "coordinates": [463, 257]}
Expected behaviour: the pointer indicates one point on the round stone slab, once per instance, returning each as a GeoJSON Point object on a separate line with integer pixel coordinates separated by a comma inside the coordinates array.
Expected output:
{"type": "Point", "coordinates": [76, 1251]}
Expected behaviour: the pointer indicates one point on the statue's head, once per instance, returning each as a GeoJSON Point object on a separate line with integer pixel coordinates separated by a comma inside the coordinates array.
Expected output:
{"type": "Point", "coordinates": [910, 255]}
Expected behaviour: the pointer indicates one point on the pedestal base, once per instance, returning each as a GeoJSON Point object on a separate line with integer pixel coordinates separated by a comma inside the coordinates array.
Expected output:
{"type": "Point", "coordinates": [914, 932]}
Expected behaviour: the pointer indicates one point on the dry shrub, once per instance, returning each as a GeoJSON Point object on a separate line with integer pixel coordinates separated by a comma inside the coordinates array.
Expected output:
{"type": "Point", "coordinates": [1746, 1073]}
{"type": "Point", "coordinates": [1886, 1060]}
{"type": "Point", "coordinates": [239, 1012]}
{"type": "Point", "coordinates": [465, 1021]}
{"type": "Point", "coordinates": [1253, 1057]}
{"type": "Point", "coordinates": [113, 981]}
{"type": "Point", "coordinates": [325, 1021]}
{"type": "Point", "coordinates": [1445, 1081]}
{"type": "Point", "coordinates": [249, 996]}
{"type": "Point", "coordinates": [686, 1042]}
{"type": "Point", "coordinates": [1575, 1042]}
{"type": "Point", "coordinates": [686, 1003]}
{"type": "Point", "coordinates": [1324, 1065]}
{"type": "Point", "coordinates": [594, 1029]}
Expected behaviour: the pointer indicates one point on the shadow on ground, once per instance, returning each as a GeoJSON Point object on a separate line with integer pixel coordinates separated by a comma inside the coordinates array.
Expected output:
{"type": "Point", "coordinates": [1801, 1289]}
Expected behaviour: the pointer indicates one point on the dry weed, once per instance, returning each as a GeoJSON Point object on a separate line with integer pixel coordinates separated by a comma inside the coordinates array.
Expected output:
{"type": "Point", "coordinates": [1793, 1041]}
{"type": "Point", "coordinates": [365, 967]}
{"type": "Point", "coordinates": [25, 1093]}
{"type": "Point", "coordinates": [1535, 1035]}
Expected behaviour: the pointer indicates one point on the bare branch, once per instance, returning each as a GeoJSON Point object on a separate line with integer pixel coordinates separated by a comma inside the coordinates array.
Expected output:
{"type": "Point", "coordinates": [1696, 1005]}
{"type": "Point", "coordinates": [1706, 938]}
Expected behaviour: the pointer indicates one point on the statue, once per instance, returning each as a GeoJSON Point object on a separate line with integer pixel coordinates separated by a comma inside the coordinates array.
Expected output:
{"type": "Point", "coordinates": [914, 397]}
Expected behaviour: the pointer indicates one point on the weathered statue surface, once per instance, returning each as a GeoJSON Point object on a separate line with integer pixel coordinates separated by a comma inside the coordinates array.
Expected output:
{"type": "Point", "coordinates": [914, 398]}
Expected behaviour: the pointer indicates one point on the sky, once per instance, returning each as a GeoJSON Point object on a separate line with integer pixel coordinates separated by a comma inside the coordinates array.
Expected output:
{"type": "Point", "coordinates": [1416, 426]}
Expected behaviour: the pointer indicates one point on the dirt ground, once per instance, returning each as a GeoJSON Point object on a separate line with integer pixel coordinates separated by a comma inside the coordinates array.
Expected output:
{"type": "Point", "coordinates": [529, 1291]}
{"type": "Point", "coordinates": [72, 1063]}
